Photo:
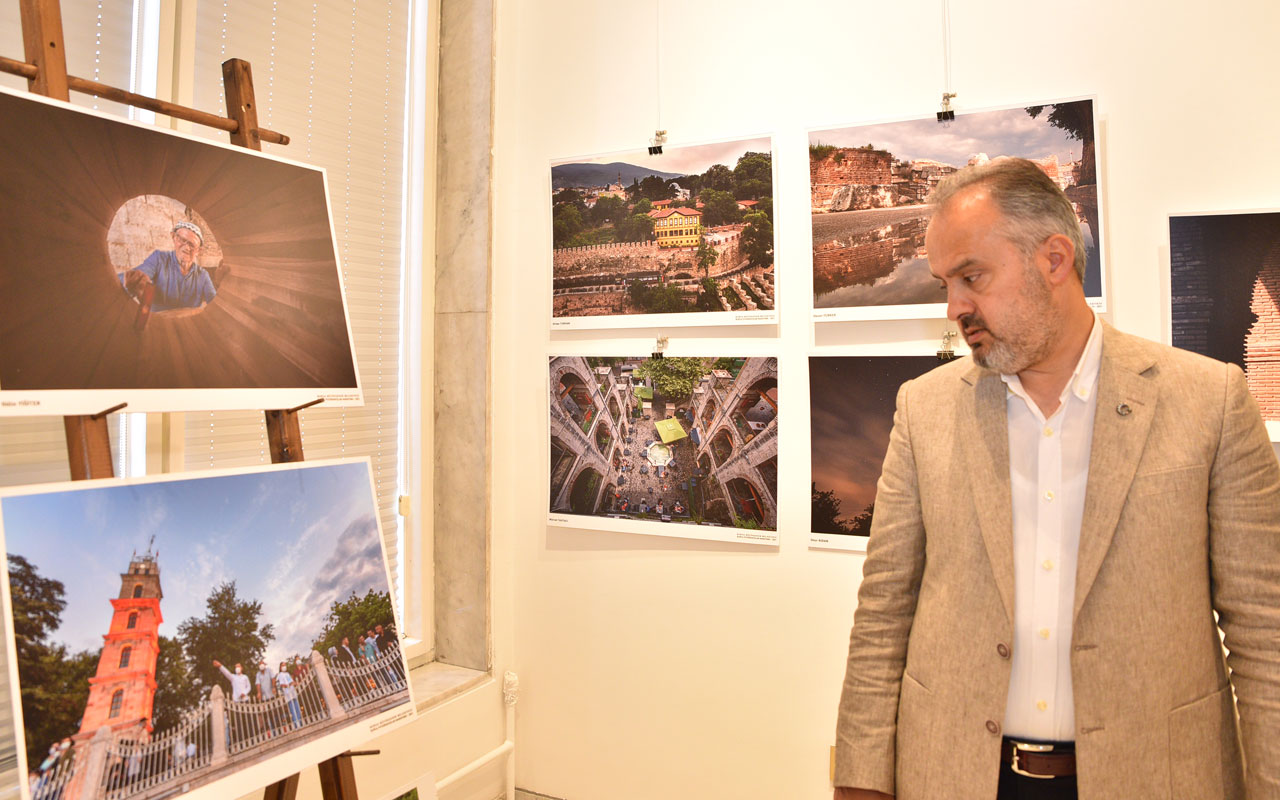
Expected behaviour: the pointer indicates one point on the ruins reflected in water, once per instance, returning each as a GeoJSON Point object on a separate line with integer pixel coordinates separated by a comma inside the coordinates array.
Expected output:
{"type": "Point", "coordinates": [886, 265]}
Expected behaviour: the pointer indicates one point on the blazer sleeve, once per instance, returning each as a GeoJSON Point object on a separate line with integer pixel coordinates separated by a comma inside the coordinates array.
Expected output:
{"type": "Point", "coordinates": [866, 729]}
{"type": "Point", "coordinates": [1244, 552]}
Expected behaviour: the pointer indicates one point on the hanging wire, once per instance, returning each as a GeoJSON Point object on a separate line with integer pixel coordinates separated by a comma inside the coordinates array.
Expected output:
{"type": "Point", "coordinates": [946, 46]}
{"type": "Point", "coordinates": [657, 56]}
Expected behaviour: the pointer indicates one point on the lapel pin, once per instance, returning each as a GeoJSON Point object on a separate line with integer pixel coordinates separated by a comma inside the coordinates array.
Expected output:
{"type": "Point", "coordinates": [1123, 409]}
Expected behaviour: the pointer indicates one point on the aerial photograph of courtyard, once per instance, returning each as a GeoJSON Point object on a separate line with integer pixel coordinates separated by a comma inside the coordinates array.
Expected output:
{"type": "Point", "coordinates": [682, 441]}
{"type": "Point", "coordinates": [690, 230]}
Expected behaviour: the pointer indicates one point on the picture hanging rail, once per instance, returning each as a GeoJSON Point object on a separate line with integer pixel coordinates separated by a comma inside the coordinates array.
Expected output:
{"type": "Point", "coordinates": [211, 634]}
{"type": "Point", "coordinates": [669, 446]}
{"type": "Point", "coordinates": [869, 186]}
{"type": "Point", "coordinates": [147, 266]}
{"type": "Point", "coordinates": [682, 237]}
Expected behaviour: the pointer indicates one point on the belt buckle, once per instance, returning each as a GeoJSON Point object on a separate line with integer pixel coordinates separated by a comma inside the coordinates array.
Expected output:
{"type": "Point", "coordinates": [1029, 748]}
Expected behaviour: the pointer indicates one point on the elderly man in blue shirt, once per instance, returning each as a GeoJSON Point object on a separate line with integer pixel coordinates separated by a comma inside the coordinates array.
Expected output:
{"type": "Point", "coordinates": [179, 281]}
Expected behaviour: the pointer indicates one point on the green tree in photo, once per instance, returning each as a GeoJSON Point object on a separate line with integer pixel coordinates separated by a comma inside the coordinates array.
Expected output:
{"type": "Point", "coordinates": [607, 209]}
{"type": "Point", "coordinates": [566, 223]}
{"type": "Point", "coordinates": [824, 515]}
{"type": "Point", "coordinates": [655, 188]}
{"type": "Point", "coordinates": [176, 693]}
{"type": "Point", "coordinates": [54, 682]}
{"type": "Point", "coordinates": [658, 299]}
{"type": "Point", "coordinates": [353, 617]}
{"type": "Point", "coordinates": [757, 239]}
{"type": "Point", "coordinates": [229, 632]}
{"type": "Point", "coordinates": [709, 297]}
{"type": "Point", "coordinates": [55, 689]}
{"type": "Point", "coordinates": [571, 197]}
{"type": "Point", "coordinates": [717, 177]}
{"type": "Point", "coordinates": [673, 378]}
{"type": "Point", "coordinates": [706, 257]}
{"type": "Point", "coordinates": [753, 176]}
{"type": "Point", "coordinates": [642, 207]}
{"type": "Point", "coordinates": [720, 208]}
{"type": "Point", "coordinates": [635, 228]}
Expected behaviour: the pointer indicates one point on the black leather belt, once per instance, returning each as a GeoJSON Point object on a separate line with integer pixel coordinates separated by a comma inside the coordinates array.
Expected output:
{"type": "Point", "coordinates": [1037, 760]}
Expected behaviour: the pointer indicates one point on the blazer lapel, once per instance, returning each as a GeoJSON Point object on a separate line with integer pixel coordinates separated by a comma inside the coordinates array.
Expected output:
{"type": "Point", "coordinates": [1126, 406]}
{"type": "Point", "coordinates": [988, 456]}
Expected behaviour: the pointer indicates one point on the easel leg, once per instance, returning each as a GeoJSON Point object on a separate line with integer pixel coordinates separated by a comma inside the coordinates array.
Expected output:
{"type": "Point", "coordinates": [337, 778]}
{"type": "Point", "coordinates": [286, 789]}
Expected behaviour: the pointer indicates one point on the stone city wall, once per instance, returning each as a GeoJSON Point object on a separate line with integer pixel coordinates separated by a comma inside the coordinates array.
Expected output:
{"type": "Point", "coordinates": [1262, 344]}
{"type": "Point", "coordinates": [850, 178]}
{"type": "Point", "coordinates": [858, 263]}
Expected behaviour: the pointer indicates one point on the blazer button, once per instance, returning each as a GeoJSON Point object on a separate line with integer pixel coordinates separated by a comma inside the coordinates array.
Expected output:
{"type": "Point", "coordinates": [1003, 650]}
{"type": "Point", "coordinates": [993, 727]}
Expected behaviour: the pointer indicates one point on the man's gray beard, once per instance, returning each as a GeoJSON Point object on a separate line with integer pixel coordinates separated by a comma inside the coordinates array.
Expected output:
{"type": "Point", "coordinates": [1030, 331]}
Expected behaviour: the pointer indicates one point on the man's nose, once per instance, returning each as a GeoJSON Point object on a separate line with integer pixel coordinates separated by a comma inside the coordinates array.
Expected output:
{"type": "Point", "coordinates": [957, 305]}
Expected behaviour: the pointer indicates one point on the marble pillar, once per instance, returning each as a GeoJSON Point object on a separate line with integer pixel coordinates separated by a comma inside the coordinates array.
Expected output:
{"type": "Point", "coordinates": [462, 333]}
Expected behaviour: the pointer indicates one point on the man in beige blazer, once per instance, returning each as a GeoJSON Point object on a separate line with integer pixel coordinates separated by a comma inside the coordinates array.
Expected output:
{"type": "Point", "coordinates": [1176, 516]}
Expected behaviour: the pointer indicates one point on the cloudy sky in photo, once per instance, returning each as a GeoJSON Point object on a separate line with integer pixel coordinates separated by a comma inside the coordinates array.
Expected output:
{"type": "Point", "coordinates": [295, 539]}
{"type": "Point", "coordinates": [1010, 132]}
{"type": "Point", "coordinates": [682, 160]}
{"type": "Point", "coordinates": [852, 400]}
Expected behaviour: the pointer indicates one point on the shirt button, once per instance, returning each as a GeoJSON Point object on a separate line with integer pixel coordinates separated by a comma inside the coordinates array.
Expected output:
{"type": "Point", "coordinates": [1044, 633]}
{"type": "Point", "coordinates": [993, 727]}
{"type": "Point", "coordinates": [1048, 431]}
{"type": "Point", "coordinates": [1003, 650]}
{"type": "Point", "coordinates": [1041, 705]}
{"type": "Point", "coordinates": [1048, 564]}
{"type": "Point", "coordinates": [1049, 495]}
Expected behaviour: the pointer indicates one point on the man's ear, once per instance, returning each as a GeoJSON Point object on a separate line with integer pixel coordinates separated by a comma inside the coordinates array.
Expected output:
{"type": "Point", "coordinates": [1060, 252]}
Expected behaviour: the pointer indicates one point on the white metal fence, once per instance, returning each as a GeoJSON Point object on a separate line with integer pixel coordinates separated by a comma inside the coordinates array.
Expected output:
{"type": "Point", "coordinates": [117, 766]}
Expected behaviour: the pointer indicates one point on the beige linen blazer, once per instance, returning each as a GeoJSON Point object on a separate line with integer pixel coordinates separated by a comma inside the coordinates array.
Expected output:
{"type": "Point", "coordinates": [1181, 519]}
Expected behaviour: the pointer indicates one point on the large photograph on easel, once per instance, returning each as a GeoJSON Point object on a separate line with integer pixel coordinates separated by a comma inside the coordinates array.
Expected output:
{"type": "Point", "coordinates": [145, 266]}
{"type": "Point", "coordinates": [219, 632]}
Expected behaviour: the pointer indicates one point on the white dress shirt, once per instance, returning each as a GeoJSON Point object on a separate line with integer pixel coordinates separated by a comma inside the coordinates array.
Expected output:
{"type": "Point", "coordinates": [1048, 472]}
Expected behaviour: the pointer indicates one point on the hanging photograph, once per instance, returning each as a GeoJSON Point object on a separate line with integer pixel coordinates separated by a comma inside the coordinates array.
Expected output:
{"type": "Point", "coordinates": [214, 633]}
{"type": "Point", "coordinates": [869, 186]}
{"type": "Point", "coordinates": [681, 238]}
{"type": "Point", "coordinates": [851, 405]}
{"type": "Point", "coordinates": [670, 446]}
{"type": "Point", "coordinates": [146, 266]}
{"type": "Point", "coordinates": [1224, 287]}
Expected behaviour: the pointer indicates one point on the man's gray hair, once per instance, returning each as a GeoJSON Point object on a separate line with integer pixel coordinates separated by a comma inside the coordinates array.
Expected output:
{"type": "Point", "coordinates": [1033, 206]}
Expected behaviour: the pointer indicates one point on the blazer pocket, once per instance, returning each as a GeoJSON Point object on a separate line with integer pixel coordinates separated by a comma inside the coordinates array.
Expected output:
{"type": "Point", "coordinates": [1174, 479]}
{"type": "Point", "coordinates": [1204, 751]}
{"type": "Point", "coordinates": [915, 738]}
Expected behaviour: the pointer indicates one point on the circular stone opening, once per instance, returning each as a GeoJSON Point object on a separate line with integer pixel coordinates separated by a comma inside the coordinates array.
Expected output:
{"type": "Point", "coordinates": [164, 256]}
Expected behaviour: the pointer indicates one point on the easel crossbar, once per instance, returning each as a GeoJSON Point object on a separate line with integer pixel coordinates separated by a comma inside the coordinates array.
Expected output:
{"type": "Point", "coordinates": [86, 86]}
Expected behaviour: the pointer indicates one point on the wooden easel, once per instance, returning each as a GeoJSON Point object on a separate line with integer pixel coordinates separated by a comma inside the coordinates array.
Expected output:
{"type": "Point", "coordinates": [88, 444]}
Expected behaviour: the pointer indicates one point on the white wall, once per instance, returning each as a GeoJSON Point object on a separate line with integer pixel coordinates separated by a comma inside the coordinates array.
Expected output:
{"type": "Point", "coordinates": [656, 667]}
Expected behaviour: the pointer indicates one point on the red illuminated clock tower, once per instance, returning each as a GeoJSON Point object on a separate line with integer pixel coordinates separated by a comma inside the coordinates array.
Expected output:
{"type": "Point", "coordinates": [122, 690]}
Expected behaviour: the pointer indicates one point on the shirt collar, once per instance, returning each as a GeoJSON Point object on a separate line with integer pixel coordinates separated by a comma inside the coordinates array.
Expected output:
{"type": "Point", "coordinates": [1083, 378]}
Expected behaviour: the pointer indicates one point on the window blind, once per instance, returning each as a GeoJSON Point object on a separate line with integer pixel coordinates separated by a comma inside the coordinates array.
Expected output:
{"type": "Point", "coordinates": [98, 37]}
{"type": "Point", "coordinates": [331, 75]}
